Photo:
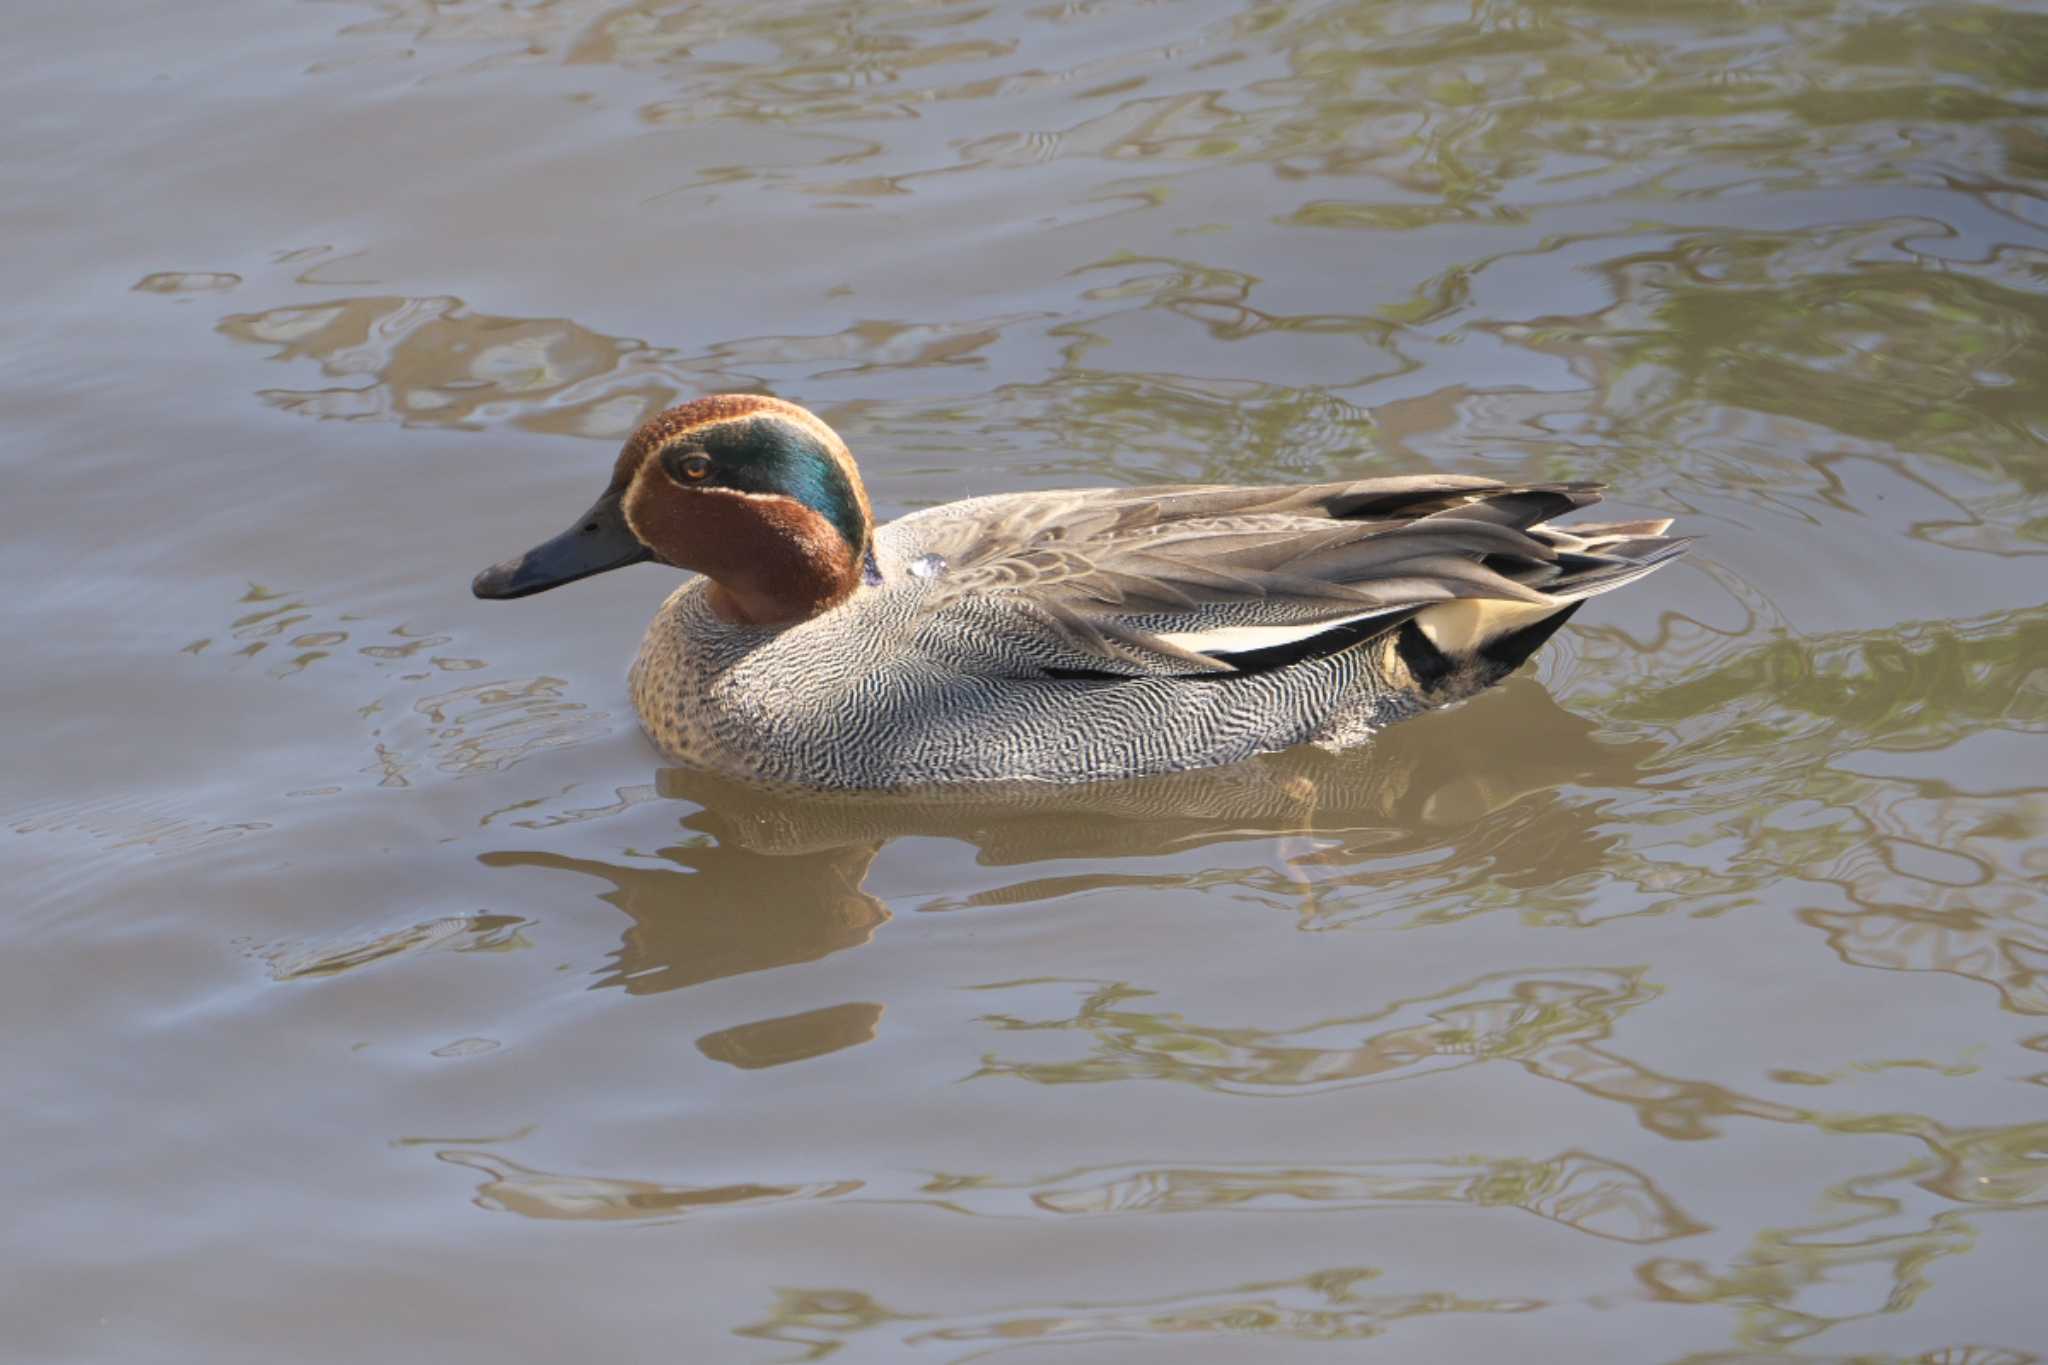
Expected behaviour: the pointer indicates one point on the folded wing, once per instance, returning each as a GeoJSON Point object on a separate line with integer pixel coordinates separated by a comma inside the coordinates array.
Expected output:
{"type": "Point", "coordinates": [1225, 581]}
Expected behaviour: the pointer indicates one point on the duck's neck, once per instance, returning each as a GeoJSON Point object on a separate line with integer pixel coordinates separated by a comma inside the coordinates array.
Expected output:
{"type": "Point", "coordinates": [772, 561]}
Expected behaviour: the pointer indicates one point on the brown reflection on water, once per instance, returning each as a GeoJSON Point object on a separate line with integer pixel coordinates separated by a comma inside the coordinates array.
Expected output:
{"type": "Point", "coordinates": [284, 619]}
{"type": "Point", "coordinates": [1576, 1189]}
{"type": "Point", "coordinates": [478, 933]}
{"type": "Point", "coordinates": [1327, 1305]}
{"type": "Point", "coordinates": [1495, 1017]}
{"type": "Point", "coordinates": [1873, 1221]}
{"type": "Point", "coordinates": [1871, 1252]}
{"type": "Point", "coordinates": [427, 361]}
{"type": "Point", "coordinates": [1493, 779]}
{"type": "Point", "coordinates": [1868, 1253]}
{"type": "Point", "coordinates": [186, 282]}
{"type": "Point", "coordinates": [512, 1188]}
{"type": "Point", "coordinates": [2003, 1167]}
{"type": "Point", "coordinates": [431, 362]}
{"type": "Point", "coordinates": [793, 1037]}
{"type": "Point", "coordinates": [2000, 1167]}
{"type": "Point", "coordinates": [2011, 958]}
{"type": "Point", "coordinates": [772, 879]}
{"type": "Point", "coordinates": [1219, 301]}
{"type": "Point", "coordinates": [1767, 1284]}
{"type": "Point", "coordinates": [1586, 1193]}
{"type": "Point", "coordinates": [1551, 1022]}
{"type": "Point", "coordinates": [730, 911]}
{"type": "Point", "coordinates": [125, 823]}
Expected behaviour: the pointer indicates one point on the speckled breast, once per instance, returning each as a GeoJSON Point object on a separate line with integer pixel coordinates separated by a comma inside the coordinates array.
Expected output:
{"type": "Point", "coordinates": [870, 696]}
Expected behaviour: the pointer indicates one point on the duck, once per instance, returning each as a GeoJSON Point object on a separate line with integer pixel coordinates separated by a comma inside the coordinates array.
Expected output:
{"type": "Point", "coordinates": [1063, 636]}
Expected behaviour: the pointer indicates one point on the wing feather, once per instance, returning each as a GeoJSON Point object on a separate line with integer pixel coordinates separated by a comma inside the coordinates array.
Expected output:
{"type": "Point", "coordinates": [1141, 581]}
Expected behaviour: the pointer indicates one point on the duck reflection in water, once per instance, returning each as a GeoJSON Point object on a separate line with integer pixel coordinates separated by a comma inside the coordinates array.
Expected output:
{"type": "Point", "coordinates": [771, 880]}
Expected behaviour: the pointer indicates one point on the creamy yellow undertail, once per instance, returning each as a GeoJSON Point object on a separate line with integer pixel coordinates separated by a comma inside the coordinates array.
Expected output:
{"type": "Point", "coordinates": [1459, 628]}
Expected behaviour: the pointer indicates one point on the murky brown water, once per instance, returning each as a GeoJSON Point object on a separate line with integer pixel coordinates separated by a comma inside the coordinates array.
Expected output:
{"type": "Point", "coordinates": [370, 995]}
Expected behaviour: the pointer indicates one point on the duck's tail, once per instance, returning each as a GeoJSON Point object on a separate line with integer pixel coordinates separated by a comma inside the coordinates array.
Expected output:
{"type": "Point", "coordinates": [1592, 558]}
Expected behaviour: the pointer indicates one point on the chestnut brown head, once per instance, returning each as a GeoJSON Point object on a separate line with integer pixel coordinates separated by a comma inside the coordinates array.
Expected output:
{"type": "Point", "coordinates": [753, 492]}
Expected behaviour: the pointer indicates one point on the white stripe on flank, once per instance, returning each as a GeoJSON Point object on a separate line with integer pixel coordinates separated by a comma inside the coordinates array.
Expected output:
{"type": "Point", "coordinates": [1240, 639]}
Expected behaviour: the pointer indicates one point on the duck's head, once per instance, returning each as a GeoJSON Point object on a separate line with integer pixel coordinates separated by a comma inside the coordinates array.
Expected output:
{"type": "Point", "coordinates": [756, 494]}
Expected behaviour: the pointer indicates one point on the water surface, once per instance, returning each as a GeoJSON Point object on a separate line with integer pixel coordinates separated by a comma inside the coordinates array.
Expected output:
{"type": "Point", "coordinates": [373, 993]}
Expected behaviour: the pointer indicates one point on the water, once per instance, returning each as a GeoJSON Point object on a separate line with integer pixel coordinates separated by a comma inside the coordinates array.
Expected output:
{"type": "Point", "coordinates": [372, 994]}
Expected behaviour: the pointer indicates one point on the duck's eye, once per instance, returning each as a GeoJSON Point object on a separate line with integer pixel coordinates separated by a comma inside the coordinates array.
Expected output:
{"type": "Point", "coordinates": [690, 466]}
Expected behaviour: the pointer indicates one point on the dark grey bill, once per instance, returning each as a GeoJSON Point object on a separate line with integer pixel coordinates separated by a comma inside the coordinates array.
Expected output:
{"type": "Point", "coordinates": [599, 541]}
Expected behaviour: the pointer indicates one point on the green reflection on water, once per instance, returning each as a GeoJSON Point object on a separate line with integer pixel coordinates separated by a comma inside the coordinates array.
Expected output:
{"type": "Point", "coordinates": [1910, 872]}
{"type": "Point", "coordinates": [1937, 356]}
